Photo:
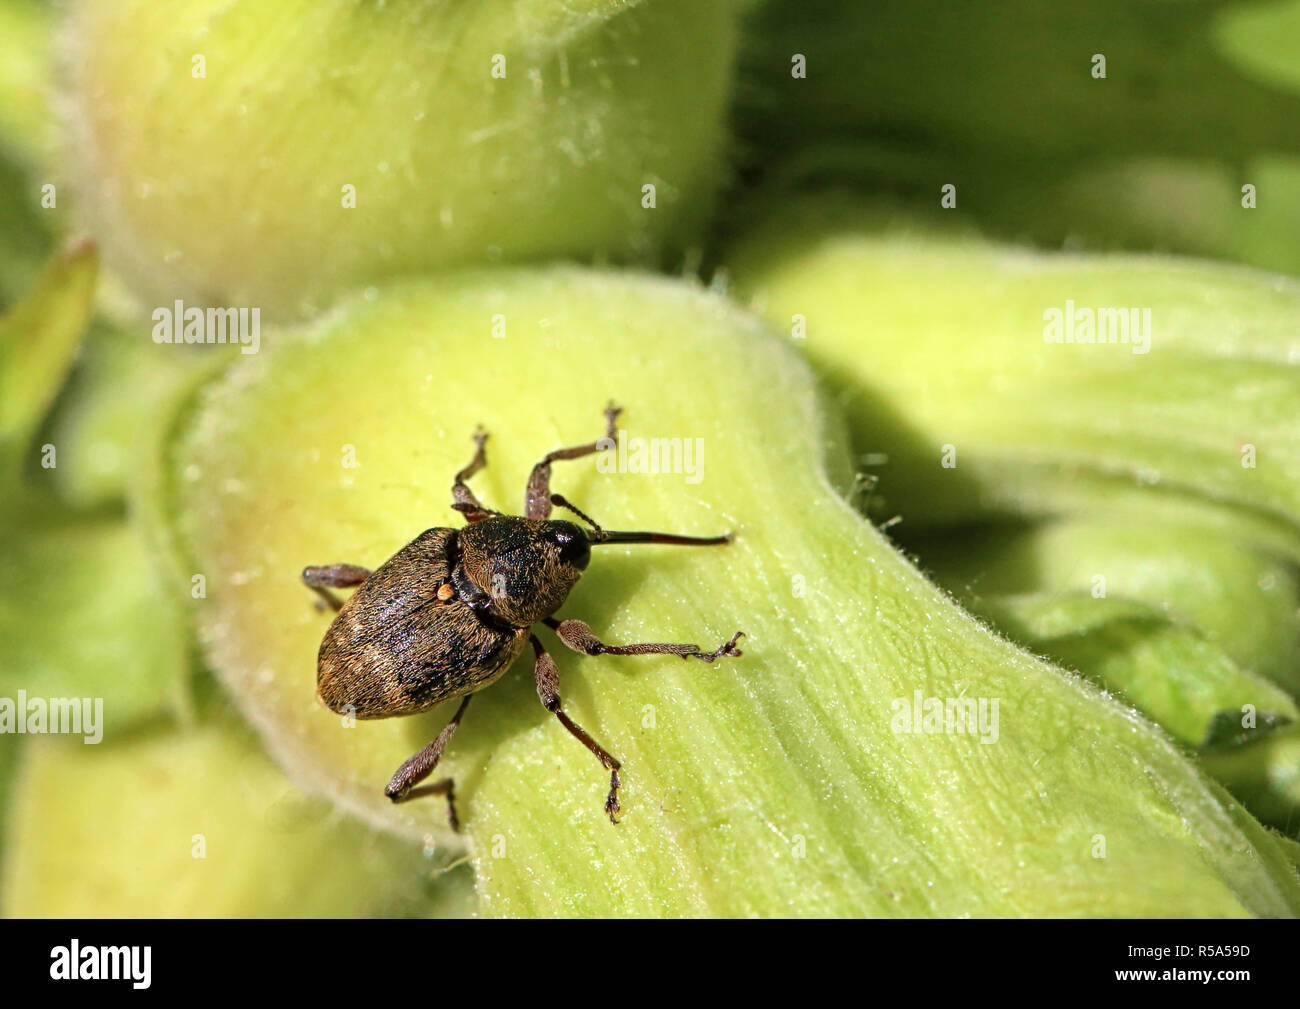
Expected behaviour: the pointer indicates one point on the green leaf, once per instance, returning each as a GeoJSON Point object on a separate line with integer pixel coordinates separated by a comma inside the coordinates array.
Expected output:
{"type": "Point", "coordinates": [25, 242]}
{"type": "Point", "coordinates": [39, 337]}
{"type": "Point", "coordinates": [771, 784]}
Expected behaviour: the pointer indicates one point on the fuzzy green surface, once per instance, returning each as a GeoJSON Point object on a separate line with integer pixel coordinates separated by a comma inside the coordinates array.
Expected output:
{"type": "Point", "coordinates": [83, 616]}
{"type": "Point", "coordinates": [196, 824]}
{"type": "Point", "coordinates": [1169, 671]}
{"type": "Point", "coordinates": [932, 341]}
{"type": "Point", "coordinates": [769, 784]}
{"type": "Point", "coordinates": [1265, 774]}
{"type": "Point", "coordinates": [115, 398]}
{"type": "Point", "coordinates": [229, 188]}
{"type": "Point", "coordinates": [1243, 600]}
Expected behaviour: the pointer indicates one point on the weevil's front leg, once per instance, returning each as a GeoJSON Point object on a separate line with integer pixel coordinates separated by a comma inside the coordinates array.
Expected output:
{"type": "Point", "coordinates": [338, 576]}
{"type": "Point", "coordinates": [578, 636]}
{"type": "Point", "coordinates": [537, 497]}
{"type": "Point", "coordinates": [463, 499]}
{"type": "Point", "coordinates": [548, 689]}
{"type": "Point", "coordinates": [420, 766]}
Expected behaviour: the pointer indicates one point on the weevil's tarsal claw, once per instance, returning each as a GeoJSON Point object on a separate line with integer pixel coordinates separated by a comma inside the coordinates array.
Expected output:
{"type": "Point", "coordinates": [612, 807]}
{"type": "Point", "coordinates": [727, 648]}
{"type": "Point", "coordinates": [446, 787]}
{"type": "Point", "coordinates": [452, 819]}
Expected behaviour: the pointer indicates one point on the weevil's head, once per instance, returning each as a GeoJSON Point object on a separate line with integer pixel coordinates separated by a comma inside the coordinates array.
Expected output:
{"type": "Point", "coordinates": [520, 570]}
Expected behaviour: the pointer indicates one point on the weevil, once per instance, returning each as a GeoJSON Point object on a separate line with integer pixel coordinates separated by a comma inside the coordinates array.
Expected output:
{"type": "Point", "coordinates": [447, 614]}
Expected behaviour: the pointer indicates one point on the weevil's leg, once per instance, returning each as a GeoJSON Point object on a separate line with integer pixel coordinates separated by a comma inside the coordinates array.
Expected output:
{"type": "Point", "coordinates": [443, 786]}
{"type": "Point", "coordinates": [548, 689]}
{"type": "Point", "coordinates": [537, 497]}
{"type": "Point", "coordinates": [340, 576]}
{"type": "Point", "coordinates": [463, 499]}
{"type": "Point", "coordinates": [577, 635]}
{"type": "Point", "coordinates": [415, 770]}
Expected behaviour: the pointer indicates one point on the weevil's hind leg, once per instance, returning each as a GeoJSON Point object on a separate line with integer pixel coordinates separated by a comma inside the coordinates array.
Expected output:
{"type": "Point", "coordinates": [537, 497]}
{"type": "Point", "coordinates": [417, 768]}
{"type": "Point", "coordinates": [339, 576]}
{"type": "Point", "coordinates": [443, 786]}
{"type": "Point", "coordinates": [463, 499]}
{"type": "Point", "coordinates": [578, 636]}
{"type": "Point", "coordinates": [548, 689]}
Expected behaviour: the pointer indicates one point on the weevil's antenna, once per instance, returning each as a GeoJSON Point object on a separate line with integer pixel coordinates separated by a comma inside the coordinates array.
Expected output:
{"type": "Point", "coordinates": [563, 502]}
{"type": "Point", "coordinates": [599, 535]}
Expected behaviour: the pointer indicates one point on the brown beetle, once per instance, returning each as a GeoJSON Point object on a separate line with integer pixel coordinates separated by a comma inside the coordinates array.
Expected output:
{"type": "Point", "coordinates": [447, 614]}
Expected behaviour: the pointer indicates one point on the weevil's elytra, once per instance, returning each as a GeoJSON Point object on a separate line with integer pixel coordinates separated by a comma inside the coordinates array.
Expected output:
{"type": "Point", "coordinates": [447, 614]}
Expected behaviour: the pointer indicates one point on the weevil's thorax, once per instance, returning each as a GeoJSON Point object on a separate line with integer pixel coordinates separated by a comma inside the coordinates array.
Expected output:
{"type": "Point", "coordinates": [518, 571]}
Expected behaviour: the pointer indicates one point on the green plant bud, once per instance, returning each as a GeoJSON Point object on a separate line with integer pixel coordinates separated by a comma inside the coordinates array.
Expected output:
{"type": "Point", "coordinates": [1246, 603]}
{"type": "Point", "coordinates": [104, 419]}
{"type": "Point", "coordinates": [1265, 774]}
{"type": "Point", "coordinates": [83, 616]}
{"type": "Point", "coordinates": [196, 824]}
{"type": "Point", "coordinates": [971, 385]}
{"type": "Point", "coordinates": [255, 155]}
{"type": "Point", "coordinates": [1169, 671]}
{"type": "Point", "coordinates": [793, 780]}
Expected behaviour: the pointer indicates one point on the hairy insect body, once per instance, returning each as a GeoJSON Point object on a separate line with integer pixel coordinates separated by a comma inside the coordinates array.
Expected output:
{"type": "Point", "coordinates": [447, 614]}
{"type": "Point", "coordinates": [398, 648]}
